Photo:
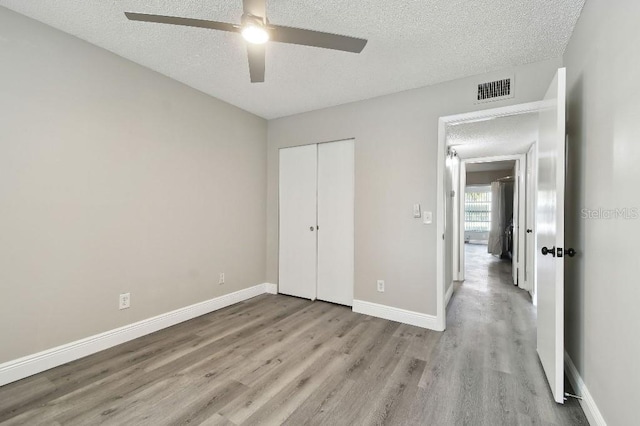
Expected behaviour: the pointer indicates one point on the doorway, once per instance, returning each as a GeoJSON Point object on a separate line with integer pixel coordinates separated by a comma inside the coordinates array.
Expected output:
{"type": "Point", "coordinates": [549, 216]}
{"type": "Point", "coordinates": [488, 212]}
{"type": "Point", "coordinates": [490, 192]}
{"type": "Point", "coordinates": [489, 136]}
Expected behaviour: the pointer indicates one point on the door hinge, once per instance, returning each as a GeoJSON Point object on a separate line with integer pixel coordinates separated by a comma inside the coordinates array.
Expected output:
{"type": "Point", "coordinates": [570, 395]}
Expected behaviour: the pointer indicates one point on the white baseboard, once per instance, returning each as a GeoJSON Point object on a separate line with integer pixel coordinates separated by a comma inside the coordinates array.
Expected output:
{"type": "Point", "coordinates": [395, 314]}
{"type": "Point", "coordinates": [14, 370]}
{"type": "Point", "coordinates": [447, 296]}
{"type": "Point", "coordinates": [587, 403]}
{"type": "Point", "coordinates": [271, 288]}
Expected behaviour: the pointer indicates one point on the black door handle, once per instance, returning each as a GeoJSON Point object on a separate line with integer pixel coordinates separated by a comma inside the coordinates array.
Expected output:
{"type": "Point", "coordinates": [570, 252]}
{"type": "Point", "coordinates": [529, 231]}
{"type": "Point", "coordinates": [551, 251]}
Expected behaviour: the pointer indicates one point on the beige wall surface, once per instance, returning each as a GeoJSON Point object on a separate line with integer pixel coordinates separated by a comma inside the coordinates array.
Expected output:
{"type": "Point", "coordinates": [113, 179]}
{"type": "Point", "coordinates": [395, 161]}
{"type": "Point", "coordinates": [602, 292]}
{"type": "Point", "coordinates": [485, 178]}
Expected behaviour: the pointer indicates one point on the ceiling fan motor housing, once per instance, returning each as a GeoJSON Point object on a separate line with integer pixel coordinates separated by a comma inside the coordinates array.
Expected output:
{"type": "Point", "coordinates": [258, 21]}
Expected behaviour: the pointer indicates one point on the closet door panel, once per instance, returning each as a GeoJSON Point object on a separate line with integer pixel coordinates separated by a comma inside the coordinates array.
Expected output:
{"type": "Point", "coordinates": [297, 221]}
{"type": "Point", "coordinates": [336, 222]}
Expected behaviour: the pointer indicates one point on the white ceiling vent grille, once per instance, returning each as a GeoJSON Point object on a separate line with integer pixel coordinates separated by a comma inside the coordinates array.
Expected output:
{"type": "Point", "coordinates": [495, 90]}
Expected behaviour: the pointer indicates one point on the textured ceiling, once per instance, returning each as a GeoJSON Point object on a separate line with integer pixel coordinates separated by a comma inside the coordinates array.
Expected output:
{"type": "Point", "coordinates": [412, 43]}
{"type": "Point", "coordinates": [490, 138]}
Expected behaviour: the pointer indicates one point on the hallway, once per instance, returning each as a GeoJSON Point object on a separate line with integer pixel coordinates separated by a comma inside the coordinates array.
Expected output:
{"type": "Point", "coordinates": [491, 341]}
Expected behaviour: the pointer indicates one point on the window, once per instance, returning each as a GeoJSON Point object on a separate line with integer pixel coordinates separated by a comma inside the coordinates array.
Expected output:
{"type": "Point", "coordinates": [477, 209]}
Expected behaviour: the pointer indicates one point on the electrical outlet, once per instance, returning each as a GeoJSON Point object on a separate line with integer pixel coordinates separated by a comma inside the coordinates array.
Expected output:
{"type": "Point", "coordinates": [221, 278]}
{"type": "Point", "coordinates": [381, 286]}
{"type": "Point", "coordinates": [427, 217]}
{"type": "Point", "coordinates": [125, 300]}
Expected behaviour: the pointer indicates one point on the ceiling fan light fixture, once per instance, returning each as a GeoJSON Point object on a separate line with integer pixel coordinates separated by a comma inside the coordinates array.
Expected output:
{"type": "Point", "coordinates": [257, 30]}
{"type": "Point", "coordinates": [255, 34]}
{"type": "Point", "coordinates": [254, 29]}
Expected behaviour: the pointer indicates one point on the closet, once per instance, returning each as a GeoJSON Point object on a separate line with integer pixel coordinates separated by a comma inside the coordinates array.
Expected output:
{"type": "Point", "coordinates": [316, 221]}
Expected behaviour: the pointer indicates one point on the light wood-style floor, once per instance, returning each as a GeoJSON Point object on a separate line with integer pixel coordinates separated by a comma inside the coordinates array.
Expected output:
{"type": "Point", "coordinates": [281, 360]}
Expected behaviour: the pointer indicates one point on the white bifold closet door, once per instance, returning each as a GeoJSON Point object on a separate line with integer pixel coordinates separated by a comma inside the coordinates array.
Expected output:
{"type": "Point", "coordinates": [298, 199]}
{"type": "Point", "coordinates": [335, 221]}
{"type": "Point", "coordinates": [317, 221]}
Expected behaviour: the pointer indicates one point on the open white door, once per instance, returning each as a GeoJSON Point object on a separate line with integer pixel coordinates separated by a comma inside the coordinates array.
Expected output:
{"type": "Point", "coordinates": [530, 239]}
{"type": "Point", "coordinates": [550, 235]}
{"type": "Point", "coordinates": [462, 189]}
{"type": "Point", "coordinates": [515, 250]}
{"type": "Point", "coordinates": [455, 211]}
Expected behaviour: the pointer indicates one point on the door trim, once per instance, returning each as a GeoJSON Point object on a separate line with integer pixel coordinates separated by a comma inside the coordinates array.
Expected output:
{"type": "Point", "coordinates": [530, 211]}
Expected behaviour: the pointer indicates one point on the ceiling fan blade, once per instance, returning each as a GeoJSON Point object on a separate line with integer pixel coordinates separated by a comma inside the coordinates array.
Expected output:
{"type": "Point", "coordinates": [188, 22]}
{"type": "Point", "coordinates": [256, 53]}
{"type": "Point", "coordinates": [255, 7]}
{"type": "Point", "coordinates": [317, 39]}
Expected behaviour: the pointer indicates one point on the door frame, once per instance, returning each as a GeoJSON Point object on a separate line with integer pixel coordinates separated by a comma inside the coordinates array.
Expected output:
{"type": "Point", "coordinates": [462, 180]}
{"type": "Point", "coordinates": [443, 122]}
{"type": "Point", "coordinates": [531, 182]}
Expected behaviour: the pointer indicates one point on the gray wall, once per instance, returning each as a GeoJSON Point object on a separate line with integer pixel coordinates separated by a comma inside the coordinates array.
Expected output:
{"type": "Point", "coordinates": [395, 154]}
{"type": "Point", "coordinates": [602, 291]}
{"type": "Point", "coordinates": [485, 178]}
{"type": "Point", "coordinates": [115, 179]}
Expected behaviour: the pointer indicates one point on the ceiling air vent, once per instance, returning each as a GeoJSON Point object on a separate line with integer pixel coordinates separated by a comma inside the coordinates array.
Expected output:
{"type": "Point", "coordinates": [495, 90]}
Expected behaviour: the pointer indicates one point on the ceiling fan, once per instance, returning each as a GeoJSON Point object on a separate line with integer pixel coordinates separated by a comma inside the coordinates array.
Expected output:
{"type": "Point", "coordinates": [256, 30]}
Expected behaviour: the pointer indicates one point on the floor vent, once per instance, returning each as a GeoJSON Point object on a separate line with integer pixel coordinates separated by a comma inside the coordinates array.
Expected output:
{"type": "Point", "coordinates": [495, 90]}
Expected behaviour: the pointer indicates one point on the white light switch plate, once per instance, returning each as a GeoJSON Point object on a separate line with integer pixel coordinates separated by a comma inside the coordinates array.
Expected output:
{"type": "Point", "coordinates": [427, 217]}
{"type": "Point", "coordinates": [416, 210]}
